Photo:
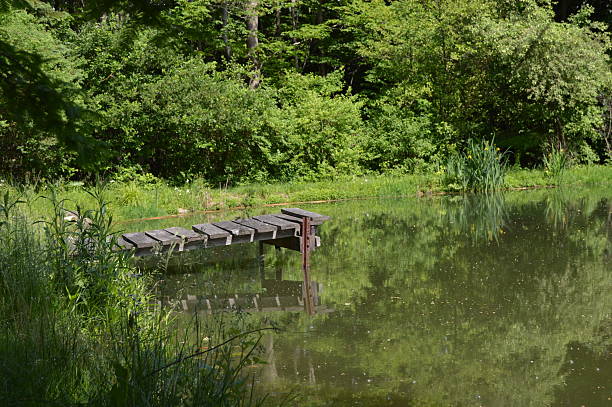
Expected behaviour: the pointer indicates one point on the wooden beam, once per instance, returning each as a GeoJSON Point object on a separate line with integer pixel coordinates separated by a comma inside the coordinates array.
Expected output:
{"type": "Point", "coordinates": [283, 224]}
{"type": "Point", "coordinates": [165, 238]}
{"type": "Point", "coordinates": [291, 243]}
{"type": "Point", "coordinates": [306, 249]}
{"type": "Point", "coordinates": [316, 218]}
{"type": "Point", "coordinates": [140, 240]}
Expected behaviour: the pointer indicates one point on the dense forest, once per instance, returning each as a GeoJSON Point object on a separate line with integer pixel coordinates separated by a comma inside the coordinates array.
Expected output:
{"type": "Point", "coordinates": [264, 90]}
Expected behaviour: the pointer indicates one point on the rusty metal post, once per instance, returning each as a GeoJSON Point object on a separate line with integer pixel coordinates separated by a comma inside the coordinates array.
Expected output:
{"type": "Point", "coordinates": [305, 249]}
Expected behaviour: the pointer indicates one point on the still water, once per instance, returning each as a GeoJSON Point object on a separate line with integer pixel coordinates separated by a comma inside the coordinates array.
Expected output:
{"type": "Point", "coordinates": [502, 300]}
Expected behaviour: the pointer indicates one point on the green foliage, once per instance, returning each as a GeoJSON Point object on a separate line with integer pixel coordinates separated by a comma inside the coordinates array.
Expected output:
{"type": "Point", "coordinates": [399, 139]}
{"type": "Point", "coordinates": [551, 72]}
{"type": "Point", "coordinates": [170, 125]}
{"type": "Point", "coordinates": [481, 168]}
{"type": "Point", "coordinates": [555, 164]}
{"type": "Point", "coordinates": [77, 326]}
{"type": "Point", "coordinates": [487, 68]}
{"type": "Point", "coordinates": [346, 87]}
{"type": "Point", "coordinates": [36, 68]}
{"type": "Point", "coordinates": [41, 104]}
{"type": "Point", "coordinates": [318, 130]}
{"type": "Point", "coordinates": [196, 116]}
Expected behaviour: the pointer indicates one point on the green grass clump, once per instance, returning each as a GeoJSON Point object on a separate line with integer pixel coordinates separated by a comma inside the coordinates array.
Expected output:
{"type": "Point", "coordinates": [555, 164]}
{"type": "Point", "coordinates": [78, 325]}
{"type": "Point", "coordinates": [480, 168]}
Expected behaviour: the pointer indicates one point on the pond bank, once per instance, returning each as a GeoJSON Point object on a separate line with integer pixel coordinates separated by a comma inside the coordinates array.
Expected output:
{"type": "Point", "coordinates": [132, 200]}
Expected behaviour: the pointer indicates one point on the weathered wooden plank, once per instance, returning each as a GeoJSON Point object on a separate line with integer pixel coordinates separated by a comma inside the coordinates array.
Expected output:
{"type": "Point", "coordinates": [288, 218]}
{"type": "Point", "coordinates": [283, 224]}
{"type": "Point", "coordinates": [301, 213]}
{"type": "Point", "coordinates": [140, 240]}
{"type": "Point", "coordinates": [259, 227]}
{"type": "Point", "coordinates": [165, 238]}
{"type": "Point", "coordinates": [188, 235]}
{"type": "Point", "coordinates": [211, 231]}
{"type": "Point", "coordinates": [216, 236]}
{"type": "Point", "coordinates": [123, 244]}
{"type": "Point", "coordinates": [234, 228]}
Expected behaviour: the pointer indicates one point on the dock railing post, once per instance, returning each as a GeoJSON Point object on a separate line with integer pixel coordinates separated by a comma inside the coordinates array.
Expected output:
{"type": "Point", "coordinates": [305, 249]}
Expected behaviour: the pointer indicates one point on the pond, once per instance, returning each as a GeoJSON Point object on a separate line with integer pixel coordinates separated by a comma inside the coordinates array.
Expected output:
{"type": "Point", "coordinates": [501, 300]}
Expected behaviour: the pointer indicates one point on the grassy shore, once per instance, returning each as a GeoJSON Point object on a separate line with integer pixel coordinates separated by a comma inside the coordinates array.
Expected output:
{"type": "Point", "coordinates": [134, 200]}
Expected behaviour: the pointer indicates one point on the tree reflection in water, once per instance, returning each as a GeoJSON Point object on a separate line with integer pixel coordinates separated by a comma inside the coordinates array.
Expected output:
{"type": "Point", "coordinates": [463, 300]}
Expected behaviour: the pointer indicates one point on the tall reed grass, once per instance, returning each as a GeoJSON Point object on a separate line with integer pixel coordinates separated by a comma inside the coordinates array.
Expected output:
{"type": "Point", "coordinates": [481, 168]}
{"type": "Point", "coordinates": [555, 163]}
{"type": "Point", "coordinates": [77, 324]}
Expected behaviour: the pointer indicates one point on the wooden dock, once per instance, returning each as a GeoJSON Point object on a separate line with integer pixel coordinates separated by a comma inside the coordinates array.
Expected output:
{"type": "Point", "coordinates": [293, 229]}
{"type": "Point", "coordinates": [283, 229]}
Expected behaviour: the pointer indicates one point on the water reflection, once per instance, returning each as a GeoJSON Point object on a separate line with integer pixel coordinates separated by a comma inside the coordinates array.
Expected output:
{"type": "Point", "coordinates": [184, 290]}
{"type": "Point", "coordinates": [481, 217]}
{"type": "Point", "coordinates": [499, 301]}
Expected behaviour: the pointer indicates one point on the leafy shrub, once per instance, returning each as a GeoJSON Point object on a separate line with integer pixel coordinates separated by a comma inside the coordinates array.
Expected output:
{"type": "Point", "coordinates": [51, 77]}
{"type": "Point", "coordinates": [316, 131]}
{"type": "Point", "coordinates": [400, 133]}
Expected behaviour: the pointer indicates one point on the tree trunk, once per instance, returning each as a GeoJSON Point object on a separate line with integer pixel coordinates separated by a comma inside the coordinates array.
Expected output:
{"type": "Point", "coordinates": [321, 67]}
{"type": "Point", "coordinates": [224, 18]}
{"type": "Point", "coordinates": [294, 24]}
{"type": "Point", "coordinates": [277, 22]}
{"type": "Point", "coordinates": [252, 25]}
{"type": "Point", "coordinates": [563, 10]}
